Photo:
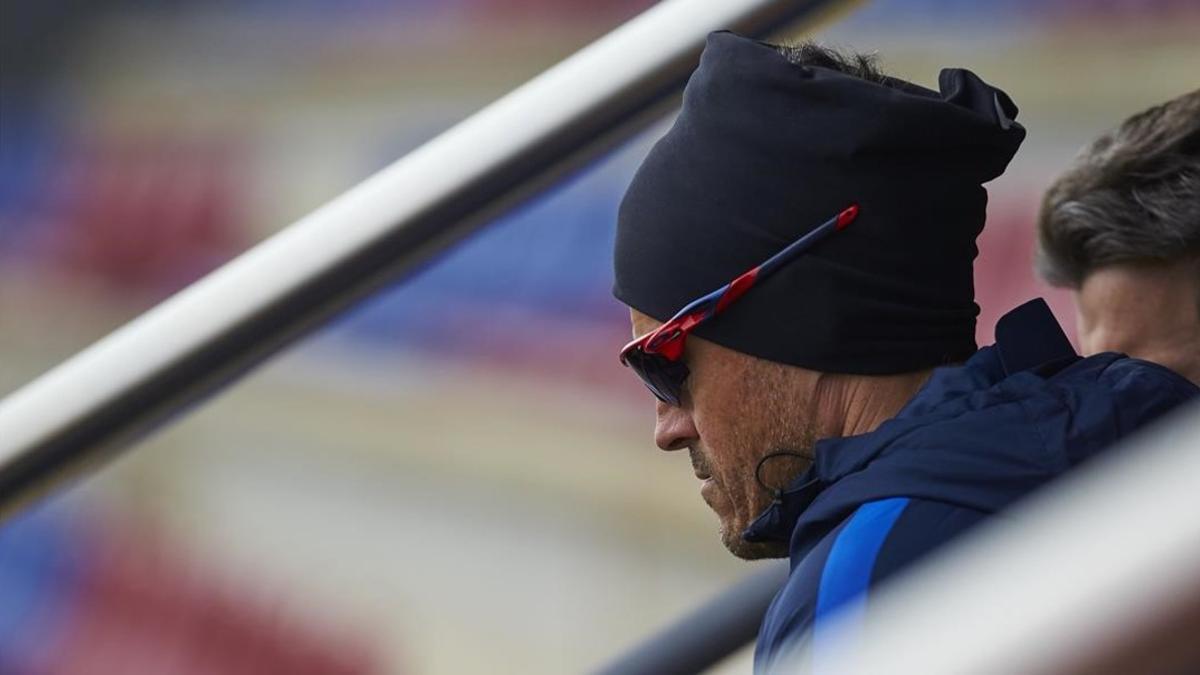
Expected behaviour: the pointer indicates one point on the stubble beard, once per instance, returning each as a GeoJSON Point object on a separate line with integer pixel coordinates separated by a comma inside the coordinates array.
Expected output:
{"type": "Point", "coordinates": [794, 454]}
{"type": "Point", "coordinates": [746, 550]}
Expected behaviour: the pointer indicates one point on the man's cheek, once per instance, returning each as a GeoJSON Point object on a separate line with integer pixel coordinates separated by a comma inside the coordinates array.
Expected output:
{"type": "Point", "coordinates": [717, 497]}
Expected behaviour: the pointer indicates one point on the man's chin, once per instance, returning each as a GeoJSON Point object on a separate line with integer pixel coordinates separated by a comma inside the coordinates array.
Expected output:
{"type": "Point", "coordinates": [751, 550]}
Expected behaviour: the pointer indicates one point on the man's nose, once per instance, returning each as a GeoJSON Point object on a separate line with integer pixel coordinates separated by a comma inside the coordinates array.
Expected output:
{"type": "Point", "coordinates": [673, 427]}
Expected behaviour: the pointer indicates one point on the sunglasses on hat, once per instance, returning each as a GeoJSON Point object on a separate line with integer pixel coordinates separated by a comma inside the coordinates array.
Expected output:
{"type": "Point", "coordinates": [657, 357]}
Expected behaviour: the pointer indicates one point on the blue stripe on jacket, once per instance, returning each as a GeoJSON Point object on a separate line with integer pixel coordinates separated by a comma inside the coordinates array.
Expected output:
{"type": "Point", "coordinates": [848, 570]}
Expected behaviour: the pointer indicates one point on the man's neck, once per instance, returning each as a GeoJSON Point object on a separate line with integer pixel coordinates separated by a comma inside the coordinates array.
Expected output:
{"type": "Point", "coordinates": [863, 402]}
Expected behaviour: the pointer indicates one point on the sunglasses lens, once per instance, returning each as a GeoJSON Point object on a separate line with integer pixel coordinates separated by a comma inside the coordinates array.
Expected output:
{"type": "Point", "coordinates": [663, 377]}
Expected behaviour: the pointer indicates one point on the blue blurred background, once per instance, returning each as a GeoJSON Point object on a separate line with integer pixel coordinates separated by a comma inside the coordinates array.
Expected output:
{"type": "Point", "coordinates": [457, 477]}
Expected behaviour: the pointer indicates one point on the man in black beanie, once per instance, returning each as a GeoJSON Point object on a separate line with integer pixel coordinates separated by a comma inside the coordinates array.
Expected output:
{"type": "Point", "coordinates": [797, 256]}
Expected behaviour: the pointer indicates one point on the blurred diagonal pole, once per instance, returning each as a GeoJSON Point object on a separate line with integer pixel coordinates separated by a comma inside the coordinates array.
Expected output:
{"type": "Point", "coordinates": [708, 633]}
{"type": "Point", "coordinates": [214, 331]}
{"type": "Point", "coordinates": [211, 333]}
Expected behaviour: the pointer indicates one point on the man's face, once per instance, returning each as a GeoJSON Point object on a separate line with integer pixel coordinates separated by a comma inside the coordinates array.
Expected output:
{"type": "Point", "coordinates": [1151, 312]}
{"type": "Point", "coordinates": [735, 410]}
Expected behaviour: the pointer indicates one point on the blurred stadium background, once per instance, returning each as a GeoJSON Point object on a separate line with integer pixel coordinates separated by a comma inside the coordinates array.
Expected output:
{"type": "Point", "coordinates": [458, 477]}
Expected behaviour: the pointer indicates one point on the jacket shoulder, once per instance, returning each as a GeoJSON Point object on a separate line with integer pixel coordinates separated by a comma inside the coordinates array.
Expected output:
{"type": "Point", "coordinates": [1105, 398]}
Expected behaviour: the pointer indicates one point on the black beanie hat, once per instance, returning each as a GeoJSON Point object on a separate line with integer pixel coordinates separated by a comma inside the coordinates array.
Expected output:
{"type": "Point", "coordinates": [765, 150]}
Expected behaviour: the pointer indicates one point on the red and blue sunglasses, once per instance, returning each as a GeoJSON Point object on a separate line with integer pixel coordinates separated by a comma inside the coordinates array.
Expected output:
{"type": "Point", "coordinates": [657, 357]}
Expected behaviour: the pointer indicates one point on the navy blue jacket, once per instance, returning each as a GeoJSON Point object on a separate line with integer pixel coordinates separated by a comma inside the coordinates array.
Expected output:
{"type": "Point", "coordinates": [972, 441]}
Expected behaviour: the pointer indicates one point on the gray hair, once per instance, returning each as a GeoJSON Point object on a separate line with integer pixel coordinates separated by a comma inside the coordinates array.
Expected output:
{"type": "Point", "coordinates": [1132, 196]}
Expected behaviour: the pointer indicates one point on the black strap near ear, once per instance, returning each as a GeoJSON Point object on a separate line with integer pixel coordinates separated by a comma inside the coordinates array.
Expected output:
{"type": "Point", "coordinates": [776, 492]}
